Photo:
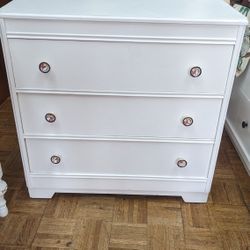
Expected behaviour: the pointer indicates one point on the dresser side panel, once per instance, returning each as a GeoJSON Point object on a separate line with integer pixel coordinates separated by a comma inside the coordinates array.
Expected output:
{"type": "Point", "coordinates": [223, 112]}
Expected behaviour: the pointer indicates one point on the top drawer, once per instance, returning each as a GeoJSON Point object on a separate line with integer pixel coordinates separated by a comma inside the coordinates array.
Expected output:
{"type": "Point", "coordinates": [120, 66]}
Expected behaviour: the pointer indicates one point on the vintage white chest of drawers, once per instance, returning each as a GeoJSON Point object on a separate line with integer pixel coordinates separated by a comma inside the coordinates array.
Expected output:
{"type": "Point", "coordinates": [120, 96]}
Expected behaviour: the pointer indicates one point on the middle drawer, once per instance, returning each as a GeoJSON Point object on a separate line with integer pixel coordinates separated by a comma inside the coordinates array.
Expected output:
{"type": "Point", "coordinates": [97, 115]}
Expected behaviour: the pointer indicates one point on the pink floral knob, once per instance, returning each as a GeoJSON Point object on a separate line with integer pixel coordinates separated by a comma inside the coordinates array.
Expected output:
{"type": "Point", "coordinates": [181, 163]}
{"type": "Point", "coordinates": [195, 71]}
{"type": "Point", "coordinates": [187, 121]}
{"type": "Point", "coordinates": [55, 159]}
{"type": "Point", "coordinates": [49, 117]}
{"type": "Point", "coordinates": [44, 67]}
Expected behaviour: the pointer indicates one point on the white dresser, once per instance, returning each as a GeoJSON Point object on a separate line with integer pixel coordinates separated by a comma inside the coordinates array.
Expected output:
{"type": "Point", "coordinates": [120, 96]}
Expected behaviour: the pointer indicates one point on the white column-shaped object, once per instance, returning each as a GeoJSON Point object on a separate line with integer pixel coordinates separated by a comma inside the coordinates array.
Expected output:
{"type": "Point", "coordinates": [3, 189]}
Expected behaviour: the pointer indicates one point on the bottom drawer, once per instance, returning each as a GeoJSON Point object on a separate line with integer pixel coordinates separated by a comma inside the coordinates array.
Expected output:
{"type": "Point", "coordinates": [115, 157]}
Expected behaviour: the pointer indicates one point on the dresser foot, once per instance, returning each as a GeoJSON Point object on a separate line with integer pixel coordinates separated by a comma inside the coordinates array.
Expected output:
{"type": "Point", "coordinates": [195, 197]}
{"type": "Point", "coordinates": [40, 193]}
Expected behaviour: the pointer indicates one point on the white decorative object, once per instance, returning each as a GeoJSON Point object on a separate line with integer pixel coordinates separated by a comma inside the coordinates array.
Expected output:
{"type": "Point", "coordinates": [126, 97]}
{"type": "Point", "coordinates": [238, 117]}
{"type": "Point", "coordinates": [3, 190]}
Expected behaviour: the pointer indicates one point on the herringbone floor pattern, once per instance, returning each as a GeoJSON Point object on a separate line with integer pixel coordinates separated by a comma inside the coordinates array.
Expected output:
{"type": "Point", "coordinates": [77, 221]}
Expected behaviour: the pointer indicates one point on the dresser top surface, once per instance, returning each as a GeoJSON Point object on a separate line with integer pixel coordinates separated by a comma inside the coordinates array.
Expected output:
{"type": "Point", "coordinates": [173, 11]}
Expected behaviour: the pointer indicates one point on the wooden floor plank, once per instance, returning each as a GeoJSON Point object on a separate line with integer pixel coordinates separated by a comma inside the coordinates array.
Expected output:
{"type": "Point", "coordinates": [235, 218]}
{"type": "Point", "coordinates": [165, 238]}
{"type": "Point", "coordinates": [92, 234]}
{"type": "Point", "coordinates": [128, 209]}
{"type": "Point", "coordinates": [19, 229]}
{"type": "Point", "coordinates": [98, 207]}
{"type": "Point", "coordinates": [165, 210]}
{"type": "Point", "coordinates": [128, 236]}
{"type": "Point", "coordinates": [235, 240]}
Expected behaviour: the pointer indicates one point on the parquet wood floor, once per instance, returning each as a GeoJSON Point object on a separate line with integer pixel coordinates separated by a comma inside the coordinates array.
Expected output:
{"type": "Point", "coordinates": [107, 222]}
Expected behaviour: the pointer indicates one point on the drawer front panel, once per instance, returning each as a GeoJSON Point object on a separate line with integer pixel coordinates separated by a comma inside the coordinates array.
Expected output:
{"type": "Point", "coordinates": [119, 115]}
{"type": "Point", "coordinates": [120, 66]}
{"type": "Point", "coordinates": [118, 157]}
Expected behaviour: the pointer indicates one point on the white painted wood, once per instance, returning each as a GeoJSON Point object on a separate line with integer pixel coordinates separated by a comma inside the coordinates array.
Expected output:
{"type": "Point", "coordinates": [123, 138]}
{"type": "Point", "coordinates": [125, 39]}
{"type": "Point", "coordinates": [239, 111]}
{"type": "Point", "coordinates": [3, 190]}
{"type": "Point", "coordinates": [116, 94]}
{"type": "Point", "coordinates": [117, 185]}
{"type": "Point", "coordinates": [240, 147]}
{"type": "Point", "coordinates": [195, 197]}
{"type": "Point", "coordinates": [118, 116]}
{"type": "Point", "coordinates": [120, 65]}
{"type": "Point", "coordinates": [178, 11]}
{"type": "Point", "coordinates": [119, 157]}
{"type": "Point", "coordinates": [187, 197]}
{"type": "Point", "coordinates": [40, 193]}
{"type": "Point", "coordinates": [141, 55]}
{"type": "Point", "coordinates": [224, 108]}
{"type": "Point", "coordinates": [78, 28]}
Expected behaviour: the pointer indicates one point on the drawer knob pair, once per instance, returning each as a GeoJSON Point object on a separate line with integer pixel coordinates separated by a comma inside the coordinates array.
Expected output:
{"type": "Point", "coordinates": [196, 71]}
{"type": "Point", "coordinates": [44, 67]}
{"type": "Point", "coordinates": [55, 159]}
{"type": "Point", "coordinates": [187, 121]}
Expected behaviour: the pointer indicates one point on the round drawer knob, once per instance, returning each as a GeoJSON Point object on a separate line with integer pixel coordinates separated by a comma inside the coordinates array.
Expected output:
{"type": "Point", "coordinates": [49, 117]}
{"type": "Point", "coordinates": [181, 163]}
{"type": "Point", "coordinates": [195, 71]}
{"type": "Point", "coordinates": [55, 159]}
{"type": "Point", "coordinates": [187, 121]}
{"type": "Point", "coordinates": [44, 67]}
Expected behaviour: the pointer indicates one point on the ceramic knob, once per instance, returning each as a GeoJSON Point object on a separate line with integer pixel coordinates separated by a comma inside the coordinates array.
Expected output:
{"type": "Point", "coordinates": [44, 67]}
{"type": "Point", "coordinates": [195, 71]}
{"type": "Point", "coordinates": [181, 163]}
{"type": "Point", "coordinates": [49, 117]}
{"type": "Point", "coordinates": [55, 159]}
{"type": "Point", "coordinates": [187, 121]}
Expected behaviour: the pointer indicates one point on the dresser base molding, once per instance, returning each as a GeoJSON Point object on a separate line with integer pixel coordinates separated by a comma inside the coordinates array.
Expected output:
{"type": "Point", "coordinates": [194, 197]}
{"type": "Point", "coordinates": [192, 190]}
